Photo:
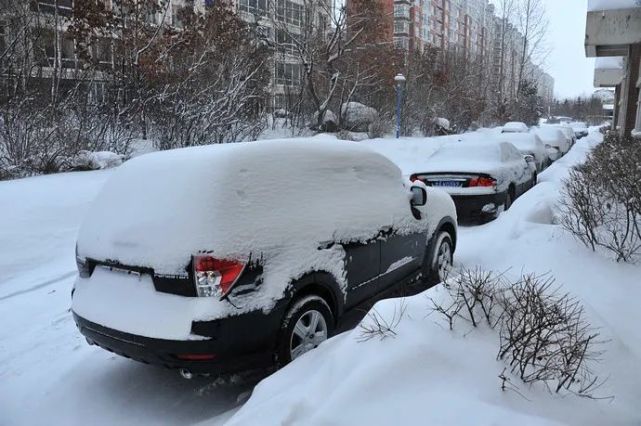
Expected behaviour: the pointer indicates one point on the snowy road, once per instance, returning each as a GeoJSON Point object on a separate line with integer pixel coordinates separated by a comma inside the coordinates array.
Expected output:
{"type": "Point", "coordinates": [49, 375]}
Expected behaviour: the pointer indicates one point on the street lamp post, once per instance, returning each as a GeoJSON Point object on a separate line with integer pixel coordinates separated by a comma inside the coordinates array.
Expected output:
{"type": "Point", "coordinates": [400, 84]}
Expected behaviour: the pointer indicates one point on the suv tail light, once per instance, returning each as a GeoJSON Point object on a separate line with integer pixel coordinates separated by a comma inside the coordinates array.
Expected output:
{"type": "Point", "coordinates": [482, 181]}
{"type": "Point", "coordinates": [215, 277]}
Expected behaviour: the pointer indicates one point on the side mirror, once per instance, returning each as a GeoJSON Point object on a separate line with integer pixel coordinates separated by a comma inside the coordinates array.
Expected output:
{"type": "Point", "coordinates": [419, 196]}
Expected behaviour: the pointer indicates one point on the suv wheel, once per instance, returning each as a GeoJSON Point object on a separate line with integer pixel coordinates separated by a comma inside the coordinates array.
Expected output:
{"type": "Point", "coordinates": [509, 199]}
{"type": "Point", "coordinates": [307, 324]}
{"type": "Point", "coordinates": [442, 258]}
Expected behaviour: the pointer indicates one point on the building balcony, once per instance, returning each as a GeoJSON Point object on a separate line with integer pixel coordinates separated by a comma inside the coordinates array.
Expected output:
{"type": "Point", "coordinates": [610, 32]}
{"type": "Point", "coordinates": [609, 72]}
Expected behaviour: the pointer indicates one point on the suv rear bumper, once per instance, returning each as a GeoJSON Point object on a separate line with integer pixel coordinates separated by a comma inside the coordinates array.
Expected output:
{"type": "Point", "coordinates": [239, 348]}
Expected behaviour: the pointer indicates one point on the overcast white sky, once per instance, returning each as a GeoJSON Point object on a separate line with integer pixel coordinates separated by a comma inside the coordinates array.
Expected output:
{"type": "Point", "coordinates": [573, 73]}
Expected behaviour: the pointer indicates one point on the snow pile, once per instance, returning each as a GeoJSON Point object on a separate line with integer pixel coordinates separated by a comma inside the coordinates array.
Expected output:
{"type": "Point", "coordinates": [596, 5]}
{"type": "Point", "coordinates": [88, 160]}
{"type": "Point", "coordinates": [427, 374]}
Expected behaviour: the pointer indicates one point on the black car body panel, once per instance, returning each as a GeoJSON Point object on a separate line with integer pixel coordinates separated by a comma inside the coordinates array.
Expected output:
{"type": "Point", "coordinates": [470, 207]}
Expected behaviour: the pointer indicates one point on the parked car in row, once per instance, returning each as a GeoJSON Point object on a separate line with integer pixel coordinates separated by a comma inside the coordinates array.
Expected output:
{"type": "Point", "coordinates": [568, 132]}
{"type": "Point", "coordinates": [215, 259]}
{"type": "Point", "coordinates": [555, 141]}
{"type": "Point", "coordinates": [580, 129]}
{"type": "Point", "coordinates": [530, 146]}
{"type": "Point", "coordinates": [515, 127]}
{"type": "Point", "coordinates": [483, 177]}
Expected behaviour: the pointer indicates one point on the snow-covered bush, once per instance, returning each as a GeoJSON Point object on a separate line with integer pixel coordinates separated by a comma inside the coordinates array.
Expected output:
{"type": "Point", "coordinates": [543, 334]}
{"type": "Point", "coordinates": [88, 160]}
{"type": "Point", "coordinates": [602, 200]}
{"type": "Point", "coordinates": [358, 117]}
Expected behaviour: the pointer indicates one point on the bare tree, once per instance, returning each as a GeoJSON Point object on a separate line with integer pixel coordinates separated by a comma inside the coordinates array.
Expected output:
{"type": "Point", "coordinates": [532, 22]}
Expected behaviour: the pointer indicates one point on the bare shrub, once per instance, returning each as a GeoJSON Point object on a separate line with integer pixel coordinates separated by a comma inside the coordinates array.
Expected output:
{"type": "Point", "coordinates": [474, 295]}
{"type": "Point", "coordinates": [377, 325]}
{"type": "Point", "coordinates": [543, 334]}
{"type": "Point", "coordinates": [602, 199]}
{"type": "Point", "coordinates": [544, 337]}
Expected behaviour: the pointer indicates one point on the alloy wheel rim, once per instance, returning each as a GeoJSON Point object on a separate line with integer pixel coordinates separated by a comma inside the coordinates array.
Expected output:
{"type": "Point", "coordinates": [309, 332]}
{"type": "Point", "coordinates": [444, 259]}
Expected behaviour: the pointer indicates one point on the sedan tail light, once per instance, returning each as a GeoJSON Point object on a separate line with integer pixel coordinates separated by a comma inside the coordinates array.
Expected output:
{"type": "Point", "coordinates": [481, 181]}
{"type": "Point", "coordinates": [215, 277]}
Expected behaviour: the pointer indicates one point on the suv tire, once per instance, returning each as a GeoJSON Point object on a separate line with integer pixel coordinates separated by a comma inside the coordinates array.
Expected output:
{"type": "Point", "coordinates": [307, 323]}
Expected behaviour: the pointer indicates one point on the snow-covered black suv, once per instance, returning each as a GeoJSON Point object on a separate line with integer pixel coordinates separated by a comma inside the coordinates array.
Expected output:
{"type": "Point", "coordinates": [222, 258]}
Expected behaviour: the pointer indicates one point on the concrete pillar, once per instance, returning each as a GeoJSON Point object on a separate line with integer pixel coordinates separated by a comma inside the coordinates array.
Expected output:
{"type": "Point", "coordinates": [631, 95]}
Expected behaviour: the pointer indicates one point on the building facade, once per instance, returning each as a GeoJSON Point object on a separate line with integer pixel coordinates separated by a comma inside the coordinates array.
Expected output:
{"type": "Point", "coordinates": [613, 36]}
{"type": "Point", "coordinates": [280, 21]}
{"type": "Point", "coordinates": [468, 27]}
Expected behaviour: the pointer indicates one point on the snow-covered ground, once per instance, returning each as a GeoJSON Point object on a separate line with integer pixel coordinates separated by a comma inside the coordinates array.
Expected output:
{"type": "Point", "coordinates": [429, 375]}
{"type": "Point", "coordinates": [425, 375]}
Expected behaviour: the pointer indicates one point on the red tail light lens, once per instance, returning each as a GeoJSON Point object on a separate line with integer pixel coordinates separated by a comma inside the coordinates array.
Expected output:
{"type": "Point", "coordinates": [196, 357]}
{"type": "Point", "coordinates": [482, 182]}
{"type": "Point", "coordinates": [215, 277]}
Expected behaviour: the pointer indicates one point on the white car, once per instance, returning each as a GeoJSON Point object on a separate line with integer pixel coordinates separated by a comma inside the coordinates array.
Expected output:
{"type": "Point", "coordinates": [483, 177]}
{"type": "Point", "coordinates": [555, 141]}
{"type": "Point", "coordinates": [568, 132]}
{"type": "Point", "coordinates": [515, 127]}
{"type": "Point", "coordinates": [217, 258]}
{"type": "Point", "coordinates": [580, 129]}
{"type": "Point", "coordinates": [529, 144]}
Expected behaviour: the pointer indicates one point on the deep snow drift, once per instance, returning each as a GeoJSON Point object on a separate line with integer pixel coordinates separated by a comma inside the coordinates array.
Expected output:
{"type": "Point", "coordinates": [429, 375]}
{"type": "Point", "coordinates": [426, 375]}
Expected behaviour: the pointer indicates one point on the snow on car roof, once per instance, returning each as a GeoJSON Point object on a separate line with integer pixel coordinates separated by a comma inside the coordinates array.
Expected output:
{"type": "Point", "coordinates": [515, 126]}
{"type": "Point", "coordinates": [520, 140]}
{"type": "Point", "coordinates": [236, 199]}
{"type": "Point", "coordinates": [472, 155]}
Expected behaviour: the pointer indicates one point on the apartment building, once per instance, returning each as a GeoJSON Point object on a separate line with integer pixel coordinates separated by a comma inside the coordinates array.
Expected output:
{"type": "Point", "coordinates": [280, 21]}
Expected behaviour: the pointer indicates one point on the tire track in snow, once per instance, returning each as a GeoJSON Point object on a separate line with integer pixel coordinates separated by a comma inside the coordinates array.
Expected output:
{"type": "Point", "coordinates": [39, 286]}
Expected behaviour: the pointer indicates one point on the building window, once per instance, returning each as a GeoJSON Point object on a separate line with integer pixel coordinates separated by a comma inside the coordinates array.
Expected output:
{"type": "Point", "coordinates": [402, 43]}
{"type": "Point", "coordinates": [255, 7]}
{"type": "Point", "coordinates": [401, 27]}
{"type": "Point", "coordinates": [288, 74]}
{"type": "Point", "coordinates": [62, 7]}
{"type": "Point", "coordinates": [102, 51]}
{"type": "Point", "coordinates": [289, 12]}
{"type": "Point", "coordinates": [402, 11]}
{"type": "Point", "coordinates": [67, 52]}
{"type": "Point", "coordinates": [286, 42]}
{"type": "Point", "coordinates": [3, 43]}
